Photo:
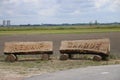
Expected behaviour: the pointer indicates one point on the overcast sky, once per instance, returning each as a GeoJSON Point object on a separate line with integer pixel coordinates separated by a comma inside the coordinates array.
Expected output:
{"type": "Point", "coordinates": [59, 11]}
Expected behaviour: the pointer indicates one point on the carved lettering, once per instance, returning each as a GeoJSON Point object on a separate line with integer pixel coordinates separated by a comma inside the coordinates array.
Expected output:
{"type": "Point", "coordinates": [93, 45]}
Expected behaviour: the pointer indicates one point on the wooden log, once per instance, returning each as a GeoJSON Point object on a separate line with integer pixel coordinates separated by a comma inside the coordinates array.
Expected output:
{"type": "Point", "coordinates": [63, 56]}
{"type": "Point", "coordinates": [97, 58]}
{"type": "Point", "coordinates": [16, 58]}
{"type": "Point", "coordinates": [28, 47]}
{"type": "Point", "coordinates": [11, 58]}
{"type": "Point", "coordinates": [95, 46]}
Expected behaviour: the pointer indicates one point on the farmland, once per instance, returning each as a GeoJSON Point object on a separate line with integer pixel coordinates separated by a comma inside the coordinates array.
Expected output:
{"type": "Point", "coordinates": [58, 30]}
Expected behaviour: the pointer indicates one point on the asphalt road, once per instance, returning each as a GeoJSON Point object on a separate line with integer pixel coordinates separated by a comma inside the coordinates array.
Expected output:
{"type": "Point", "coordinates": [57, 38]}
{"type": "Point", "coordinates": [111, 72]}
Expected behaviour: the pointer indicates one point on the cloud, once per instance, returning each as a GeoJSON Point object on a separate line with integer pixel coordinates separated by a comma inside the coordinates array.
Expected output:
{"type": "Point", "coordinates": [76, 12]}
{"type": "Point", "coordinates": [58, 10]}
{"type": "Point", "coordinates": [115, 6]}
{"type": "Point", "coordinates": [29, 7]}
{"type": "Point", "coordinates": [43, 7]}
{"type": "Point", "coordinates": [111, 5]}
{"type": "Point", "coordinates": [48, 11]}
{"type": "Point", "coordinates": [100, 3]}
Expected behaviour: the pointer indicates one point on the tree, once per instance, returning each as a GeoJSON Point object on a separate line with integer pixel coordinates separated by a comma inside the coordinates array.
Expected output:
{"type": "Point", "coordinates": [96, 22]}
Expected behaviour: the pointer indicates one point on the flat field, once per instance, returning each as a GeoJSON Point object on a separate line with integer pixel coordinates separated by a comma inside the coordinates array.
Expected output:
{"type": "Point", "coordinates": [58, 30]}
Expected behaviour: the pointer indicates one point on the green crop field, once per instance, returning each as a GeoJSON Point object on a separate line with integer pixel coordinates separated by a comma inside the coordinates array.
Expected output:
{"type": "Point", "coordinates": [57, 30]}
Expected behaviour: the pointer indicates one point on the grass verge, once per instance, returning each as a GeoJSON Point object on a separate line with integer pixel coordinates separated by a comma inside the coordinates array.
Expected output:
{"type": "Point", "coordinates": [33, 67]}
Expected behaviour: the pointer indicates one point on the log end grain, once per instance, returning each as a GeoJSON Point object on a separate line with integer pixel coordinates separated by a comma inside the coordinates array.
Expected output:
{"type": "Point", "coordinates": [64, 57]}
{"type": "Point", "coordinates": [97, 58]}
{"type": "Point", "coordinates": [11, 58]}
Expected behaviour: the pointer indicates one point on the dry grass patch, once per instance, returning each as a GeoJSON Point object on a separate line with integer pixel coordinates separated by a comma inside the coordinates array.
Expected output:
{"type": "Point", "coordinates": [27, 68]}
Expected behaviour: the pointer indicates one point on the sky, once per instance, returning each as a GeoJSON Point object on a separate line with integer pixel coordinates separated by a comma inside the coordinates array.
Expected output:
{"type": "Point", "coordinates": [59, 11]}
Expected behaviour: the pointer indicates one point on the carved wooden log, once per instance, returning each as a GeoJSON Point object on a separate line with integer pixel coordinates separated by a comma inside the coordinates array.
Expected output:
{"type": "Point", "coordinates": [96, 46]}
{"type": "Point", "coordinates": [24, 48]}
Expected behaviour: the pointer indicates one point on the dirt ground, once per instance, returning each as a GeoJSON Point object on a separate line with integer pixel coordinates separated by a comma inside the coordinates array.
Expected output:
{"type": "Point", "coordinates": [57, 38]}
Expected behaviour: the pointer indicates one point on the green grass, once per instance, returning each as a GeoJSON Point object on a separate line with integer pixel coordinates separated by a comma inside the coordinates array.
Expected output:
{"type": "Point", "coordinates": [57, 30]}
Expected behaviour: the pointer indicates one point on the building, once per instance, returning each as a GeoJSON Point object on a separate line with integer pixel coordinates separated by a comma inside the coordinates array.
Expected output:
{"type": "Point", "coordinates": [4, 23]}
{"type": "Point", "coordinates": [8, 22]}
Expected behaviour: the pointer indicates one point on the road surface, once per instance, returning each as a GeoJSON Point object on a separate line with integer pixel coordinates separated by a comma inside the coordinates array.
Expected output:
{"type": "Point", "coordinates": [111, 72]}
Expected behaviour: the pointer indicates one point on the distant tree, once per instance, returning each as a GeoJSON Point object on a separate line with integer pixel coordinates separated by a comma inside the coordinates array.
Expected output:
{"type": "Point", "coordinates": [96, 23]}
{"type": "Point", "coordinates": [90, 23]}
{"type": "Point", "coordinates": [28, 24]}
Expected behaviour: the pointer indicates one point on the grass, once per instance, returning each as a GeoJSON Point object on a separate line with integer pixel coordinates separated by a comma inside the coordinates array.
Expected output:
{"type": "Point", "coordinates": [57, 30]}
{"type": "Point", "coordinates": [37, 66]}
